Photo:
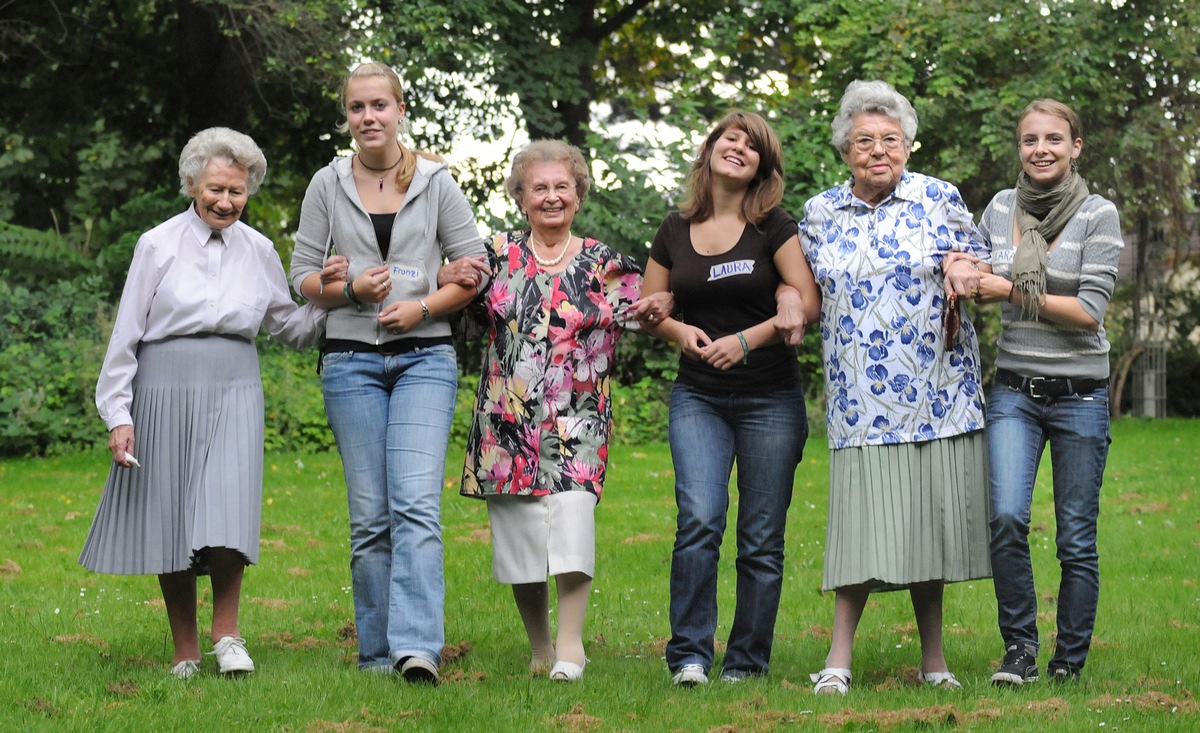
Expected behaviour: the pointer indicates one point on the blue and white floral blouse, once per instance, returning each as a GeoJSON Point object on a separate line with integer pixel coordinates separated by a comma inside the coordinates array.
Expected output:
{"type": "Point", "coordinates": [889, 377]}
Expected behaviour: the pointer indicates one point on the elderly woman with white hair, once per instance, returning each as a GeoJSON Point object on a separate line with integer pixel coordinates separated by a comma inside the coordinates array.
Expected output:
{"type": "Point", "coordinates": [908, 504]}
{"type": "Point", "coordinates": [182, 371]}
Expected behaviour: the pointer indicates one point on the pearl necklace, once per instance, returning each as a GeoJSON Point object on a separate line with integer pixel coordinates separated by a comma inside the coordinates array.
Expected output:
{"type": "Point", "coordinates": [533, 241]}
{"type": "Point", "coordinates": [384, 171]}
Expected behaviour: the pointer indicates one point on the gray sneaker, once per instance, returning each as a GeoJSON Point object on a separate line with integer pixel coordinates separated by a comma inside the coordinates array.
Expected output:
{"type": "Point", "coordinates": [1019, 666]}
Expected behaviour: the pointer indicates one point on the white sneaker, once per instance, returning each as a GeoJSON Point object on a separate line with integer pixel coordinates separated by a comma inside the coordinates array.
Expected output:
{"type": "Point", "coordinates": [232, 657]}
{"type": "Point", "coordinates": [690, 675]}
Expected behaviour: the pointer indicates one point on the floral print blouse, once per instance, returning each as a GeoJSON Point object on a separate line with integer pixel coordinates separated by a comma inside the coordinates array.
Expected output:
{"type": "Point", "coordinates": [543, 414]}
{"type": "Point", "coordinates": [889, 376]}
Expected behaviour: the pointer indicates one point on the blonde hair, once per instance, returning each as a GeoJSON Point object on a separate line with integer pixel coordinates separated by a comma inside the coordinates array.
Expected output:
{"type": "Point", "coordinates": [408, 158]}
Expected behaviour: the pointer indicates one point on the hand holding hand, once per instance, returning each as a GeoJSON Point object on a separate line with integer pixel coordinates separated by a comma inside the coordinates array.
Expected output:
{"type": "Point", "coordinates": [961, 274]}
{"type": "Point", "coordinates": [401, 317]}
{"type": "Point", "coordinates": [724, 353]}
{"type": "Point", "coordinates": [654, 308]}
{"type": "Point", "coordinates": [373, 285]}
{"type": "Point", "coordinates": [336, 270]}
{"type": "Point", "coordinates": [692, 341]}
{"type": "Point", "coordinates": [468, 272]}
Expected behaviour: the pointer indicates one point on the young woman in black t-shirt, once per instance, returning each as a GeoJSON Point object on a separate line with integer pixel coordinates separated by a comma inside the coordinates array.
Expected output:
{"type": "Point", "coordinates": [738, 396]}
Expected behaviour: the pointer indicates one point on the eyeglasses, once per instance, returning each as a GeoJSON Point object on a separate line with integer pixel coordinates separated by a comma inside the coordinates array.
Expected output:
{"type": "Point", "coordinates": [541, 190]}
{"type": "Point", "coordinates": [866, 144]}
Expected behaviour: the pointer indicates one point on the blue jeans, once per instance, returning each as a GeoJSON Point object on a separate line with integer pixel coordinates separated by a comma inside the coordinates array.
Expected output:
{"type": "Point", "coordinates": [765, 434]}
{"type": "Point", "coordinates": [1018, 428]}
{"type": "Point", "coordinates": [391, 418]}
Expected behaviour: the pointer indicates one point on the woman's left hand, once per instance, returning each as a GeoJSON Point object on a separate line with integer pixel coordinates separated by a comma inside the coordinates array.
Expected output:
{"type": "Point", "coordinates": [402, 316]}
{"type": "Point", "coordinates": [724, 353]}
{"type": "Point", "coordinates": [654, 308]}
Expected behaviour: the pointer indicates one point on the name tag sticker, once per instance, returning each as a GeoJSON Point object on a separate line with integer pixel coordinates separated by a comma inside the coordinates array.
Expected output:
{"type": "Point", "coordinates": [406, 272]}
{"type": "Point", "coordinates": [730, 269]}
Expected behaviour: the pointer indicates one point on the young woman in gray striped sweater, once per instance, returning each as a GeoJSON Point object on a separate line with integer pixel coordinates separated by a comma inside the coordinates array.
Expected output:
{"type": "Point", "coordinates": [1055, 248]}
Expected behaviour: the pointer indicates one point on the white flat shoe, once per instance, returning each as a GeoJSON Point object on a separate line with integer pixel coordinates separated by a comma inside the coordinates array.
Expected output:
{"type": "Point", "coordinates": [566, 672]}
{"type": "Point", "coordinates": [941, 679]}
{"type": "Point", "coordinates": [831, 681]}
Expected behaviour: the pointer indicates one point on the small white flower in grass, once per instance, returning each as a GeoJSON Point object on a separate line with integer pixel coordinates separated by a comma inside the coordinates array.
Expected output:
{"type": "Point", "coordinates": [56, 612]}
{"type": "Point", "coordinates": [299, 463]}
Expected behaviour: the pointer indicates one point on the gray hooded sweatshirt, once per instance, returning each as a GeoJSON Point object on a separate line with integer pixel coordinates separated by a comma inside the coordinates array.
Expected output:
{"type": "Point", "coordinates": [434, 222]}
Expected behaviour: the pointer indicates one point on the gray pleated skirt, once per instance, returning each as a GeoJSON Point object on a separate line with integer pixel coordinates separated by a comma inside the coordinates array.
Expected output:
{"type": "Point", "coordinates": [198, 433]}
{"type": "Point", "coordinates": [910, 513]}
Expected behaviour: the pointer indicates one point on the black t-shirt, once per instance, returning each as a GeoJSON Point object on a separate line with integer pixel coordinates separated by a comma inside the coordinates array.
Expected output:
{"type": "Point", "coordinates": [726, 293]}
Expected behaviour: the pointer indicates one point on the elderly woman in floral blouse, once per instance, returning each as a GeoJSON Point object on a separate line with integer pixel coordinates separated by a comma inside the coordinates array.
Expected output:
{"type": "Point", "coordinates": [538, 445]}
{"type": "Point", "coordinates": [908, 469]}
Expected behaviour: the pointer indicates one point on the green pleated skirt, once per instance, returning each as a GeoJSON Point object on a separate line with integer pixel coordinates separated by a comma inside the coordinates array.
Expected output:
{"type": "Point", "coordinates": [908, 513]}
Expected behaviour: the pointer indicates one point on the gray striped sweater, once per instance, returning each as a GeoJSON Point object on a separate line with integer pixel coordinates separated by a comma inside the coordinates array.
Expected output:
{"type": "Point", "coordinates": [1083, 264]}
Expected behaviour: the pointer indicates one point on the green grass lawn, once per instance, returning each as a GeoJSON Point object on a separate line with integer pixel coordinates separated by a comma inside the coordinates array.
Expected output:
{"type": "Point", "coordinates": [88, 652]}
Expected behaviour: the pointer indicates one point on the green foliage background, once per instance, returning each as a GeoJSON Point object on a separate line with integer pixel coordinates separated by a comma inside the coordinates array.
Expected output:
{"type": "Point", "coordinates": [98, 96]}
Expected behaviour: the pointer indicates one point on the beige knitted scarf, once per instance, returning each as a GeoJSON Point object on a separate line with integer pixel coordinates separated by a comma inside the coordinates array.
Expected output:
{"type": "Point", "coordinates": [1042, 215]}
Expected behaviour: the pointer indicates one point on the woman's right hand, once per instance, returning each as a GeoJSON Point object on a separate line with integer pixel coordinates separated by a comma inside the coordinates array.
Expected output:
{"type": "Point", "coordinates": [692, 341]}
{"type": "Point", "coordinates": [373, 285]}
{"type": "Point", "coordinates": [120, 442]}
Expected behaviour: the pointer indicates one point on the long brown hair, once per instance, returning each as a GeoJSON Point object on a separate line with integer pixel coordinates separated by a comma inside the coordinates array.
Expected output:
{"type": "Point", "coordinates": [408, 158]}
{"type": "Point", "coordinates": [765, 191]}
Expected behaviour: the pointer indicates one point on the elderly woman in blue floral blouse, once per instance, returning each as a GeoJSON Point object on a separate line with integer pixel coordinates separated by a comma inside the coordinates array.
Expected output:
{"type": "Point", "coordinates": [908, 464]}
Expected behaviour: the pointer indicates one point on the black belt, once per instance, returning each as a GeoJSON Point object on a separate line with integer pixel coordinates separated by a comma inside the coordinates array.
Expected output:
{"type": "Point", "coordinates": [1043, 387]}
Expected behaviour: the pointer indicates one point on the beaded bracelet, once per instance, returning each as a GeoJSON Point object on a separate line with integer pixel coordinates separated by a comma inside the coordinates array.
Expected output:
{"type": "Point", "coordinates": [348, 291]}
{"type": "Point", "coordinates": [745, 348]}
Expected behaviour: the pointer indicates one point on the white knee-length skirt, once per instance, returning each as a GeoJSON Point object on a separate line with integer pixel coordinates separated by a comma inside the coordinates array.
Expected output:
{"type": "Point", "coordinates": [535, 537]}
{"type": "Point", "coordinates": [908, 513]}
{"type": "Point", "coordinates": [198, 432]}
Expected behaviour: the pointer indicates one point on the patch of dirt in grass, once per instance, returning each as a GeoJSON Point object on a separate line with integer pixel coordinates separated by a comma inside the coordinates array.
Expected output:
{"type": "Point", "coordinates": [9, 568]}
{"type": "Point", "coordinates": [576, 720]}
{"type": "Point", "coordinates": [818, 631]}
{"type": "Point", "coordinates": [49, 529]}
{"type": "Point", "coordinates": [453, 652]}
{"type": "Point", "coordinates": [345, 726]}
{"type": "Point", "coordinates": [1155, 507]}
{"type": "Point", "coordinates": [460, 676]}
{"type": "Point", "coordinates": [275, 604]}
{"type": "Point", "coordinates": [30, 545]}
{"type": "Point", "coordinates": [81, 639]}
{"type": "Point", "coordinates": [1159, 701]}
{"type": "Point", "coordinates": [287, 640]}
{"type": "Point", "coordinates": [941, 715]}
{"type": "Point", "coordinates": [348, 632]}
{"type": "Point", "coordinates": [299, 572]}
{"type": "Point", "coordinates": [124, 688]}
{"type": "Point", "coordinates": [73, 515]}
{"type": "Point", "coordinates": [42, 706]}
{"type": "Point", "coordinates": [277, 545]}
{"type": "Point", "coordinates": [481, 536]}
{"type": "Point", "coordinates": [909, 628]}
{"type": "Point", "coordinates": [25, 511]}
{"type": "Point", "coordinates": [640, 538]}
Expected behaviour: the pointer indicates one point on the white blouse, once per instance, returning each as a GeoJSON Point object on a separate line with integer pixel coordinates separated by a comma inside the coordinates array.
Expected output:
{"type": "Point", "coordinates": [184, 281]}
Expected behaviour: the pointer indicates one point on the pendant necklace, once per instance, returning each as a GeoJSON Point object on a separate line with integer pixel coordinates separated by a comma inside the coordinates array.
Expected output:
{"type": "Point", "coordinates": [384, 171]}
{"type": "Point", "coordinates": [534, 241]}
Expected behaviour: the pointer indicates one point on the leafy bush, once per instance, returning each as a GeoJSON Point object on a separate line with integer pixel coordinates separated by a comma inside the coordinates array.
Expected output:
{"type": "Point", "coordinates": [52, 347]}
